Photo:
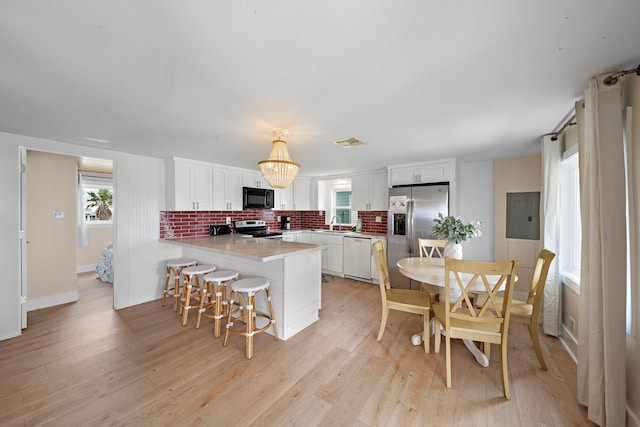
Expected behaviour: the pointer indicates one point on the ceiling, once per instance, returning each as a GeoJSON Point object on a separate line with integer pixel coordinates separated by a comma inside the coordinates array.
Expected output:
{"type": "Point", "coordinates": [209, 80]}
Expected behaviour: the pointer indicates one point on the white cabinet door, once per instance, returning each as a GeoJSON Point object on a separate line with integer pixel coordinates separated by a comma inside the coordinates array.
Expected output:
{"type": "Point", "coordinates": [305, 237]}
{"type": "Point", "coordinates": [302, 194]}
{"type": "Point", "coordinates": [283, 198]}
{"type": "Point", "coordinates": [193, 185]}
{"type": "Point", "coordinates": [379, 192]}
{"type": "Point", "coordinates": [369, 192]}
{"type": "Point", "coordinates": [227, 189]}
{"type": "Point", "coordinates": [253, 179]}
{"type": "Point", "coordinates": [402, 176]}
{"type": "Point", "coordinates": [438, 171]}
{"type": "Point", "coordinates": [360, 192]}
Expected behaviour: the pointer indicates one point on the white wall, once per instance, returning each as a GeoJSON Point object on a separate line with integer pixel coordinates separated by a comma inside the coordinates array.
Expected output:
{"type": "Point", "coordinates": [475, 202]}
{"type": "Point", "coordinates": [139, 195]}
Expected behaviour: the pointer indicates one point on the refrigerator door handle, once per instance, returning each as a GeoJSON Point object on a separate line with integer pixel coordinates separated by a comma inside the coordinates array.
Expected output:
{"type": "Point", "coordinates": [409, 231]}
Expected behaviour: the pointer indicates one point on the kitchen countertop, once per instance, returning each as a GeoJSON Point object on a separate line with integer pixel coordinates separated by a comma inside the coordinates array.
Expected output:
{"type": "Point", "coordinates": [246, 247]}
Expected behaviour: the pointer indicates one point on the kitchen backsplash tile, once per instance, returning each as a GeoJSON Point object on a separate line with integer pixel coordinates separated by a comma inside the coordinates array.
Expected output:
{"type": "Point", "coordinates": [174, 224]}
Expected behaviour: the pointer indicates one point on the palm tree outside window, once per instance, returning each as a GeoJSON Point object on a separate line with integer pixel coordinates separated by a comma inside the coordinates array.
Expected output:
{"type": "Point", "coordinates": [343, 207]}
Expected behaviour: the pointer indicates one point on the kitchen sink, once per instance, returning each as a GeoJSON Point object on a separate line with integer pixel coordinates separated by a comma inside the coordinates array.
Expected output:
{"type": "Point", "coordinates": [323, 230]}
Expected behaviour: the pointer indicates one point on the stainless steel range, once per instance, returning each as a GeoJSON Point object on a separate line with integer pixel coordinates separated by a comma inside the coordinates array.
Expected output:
{"type": "Point", "coordinates": [255, 228]}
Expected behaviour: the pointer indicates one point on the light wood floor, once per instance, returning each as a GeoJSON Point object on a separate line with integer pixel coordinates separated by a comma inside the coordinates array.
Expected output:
{"type": "Point", "coordinates": [84, 364]}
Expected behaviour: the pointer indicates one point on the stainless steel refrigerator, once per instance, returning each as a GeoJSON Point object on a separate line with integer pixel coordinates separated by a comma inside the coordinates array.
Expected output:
{"type": "Point", "coordinates": [412, 210]}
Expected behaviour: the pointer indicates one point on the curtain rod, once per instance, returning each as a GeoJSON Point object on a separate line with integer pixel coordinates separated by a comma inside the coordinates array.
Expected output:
{"type": "Point", "coordinates": [613, 78]}
{"type": "Point", "coordinates": [570, 122]}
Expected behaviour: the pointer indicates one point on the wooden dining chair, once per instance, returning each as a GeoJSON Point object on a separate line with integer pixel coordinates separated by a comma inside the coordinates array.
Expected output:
{"type": "Point", "coordinates": [488, 322]}
{"type": "Point", "coordinates": [528, 311]}
{"type": "Point", "coordinates": [430, 248]}
{"type": "Point", "coordinates": [407, 300]}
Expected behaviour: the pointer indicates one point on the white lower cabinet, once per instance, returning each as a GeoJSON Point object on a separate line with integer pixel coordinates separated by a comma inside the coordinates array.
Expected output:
{"type": "Point", "coordinates": [332, 254]}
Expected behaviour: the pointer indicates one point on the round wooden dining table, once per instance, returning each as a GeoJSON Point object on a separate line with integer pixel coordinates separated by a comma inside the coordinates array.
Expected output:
{"type": "Point", "coordinates": [431, 270]}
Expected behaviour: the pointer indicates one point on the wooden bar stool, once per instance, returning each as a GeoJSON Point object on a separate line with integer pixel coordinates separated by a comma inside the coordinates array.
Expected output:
{"type": "Point", "coordinates": [174, 268]}
{"type": "Point", "coordinates": [193, 286]}
{"type": "Point", "coordinates": [216, 285]}
{"type": "Point", "coordinates": [249, 288]}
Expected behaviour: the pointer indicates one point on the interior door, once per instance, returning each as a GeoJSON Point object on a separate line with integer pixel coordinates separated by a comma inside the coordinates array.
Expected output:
{"type": "Point", "coordinates": [23, 238]}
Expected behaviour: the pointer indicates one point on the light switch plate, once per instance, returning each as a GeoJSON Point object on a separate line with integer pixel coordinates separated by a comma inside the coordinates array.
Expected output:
{"type": "Point", "coordinates": [228, 220]}
{"type": "Point", "coordinates": [378, 219]}
{"type": "Point", "coordinates": [55, 214]}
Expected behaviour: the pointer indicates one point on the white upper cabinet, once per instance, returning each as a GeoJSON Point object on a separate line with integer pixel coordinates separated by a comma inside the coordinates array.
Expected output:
{"type": "Point", "coordinates": [438, 171]}
{"type": "Point", "coordinates": [227, 189]}
{"type": "Point", "coordinates": [369, 192]}
{"type": "Point", "coordinates": [193, 185]}
{"type": "Point", "coordinates": [294, 197]}
{"type": "Point", "coordinates": [253, 179]}
{"type": "Point", "coordinates": [283, 198]}
{"type": "Point", "coordinates": [302, 194]}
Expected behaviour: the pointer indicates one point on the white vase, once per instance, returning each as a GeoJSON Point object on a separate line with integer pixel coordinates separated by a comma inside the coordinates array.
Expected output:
{"type": "Point", "coordinates": [453, 250]}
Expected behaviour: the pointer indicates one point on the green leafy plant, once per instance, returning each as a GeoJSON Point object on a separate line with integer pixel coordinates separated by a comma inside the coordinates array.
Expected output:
{"type": "Point", "coordinates": [102, 201]}
{"type": "Point", "coordinates": [452, 229]}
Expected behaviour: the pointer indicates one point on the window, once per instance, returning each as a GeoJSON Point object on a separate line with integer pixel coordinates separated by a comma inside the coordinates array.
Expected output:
{"type": "Point", "coordinates": [97, 192]}
{"type": "Point", "coordinates": [343, 206]}
{"type": "Point", "coordinates": [570, 224]}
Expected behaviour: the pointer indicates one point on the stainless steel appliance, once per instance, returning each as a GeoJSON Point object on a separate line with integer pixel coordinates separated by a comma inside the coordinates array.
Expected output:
{"type": "Point", "coordinates": [255, 228]}
{"type": "Point", "coordinates": [357, 257]}
{"type": "Point", "coordinates": [260, 198]}
{"type": "Point", "coordinates": [412, 210]}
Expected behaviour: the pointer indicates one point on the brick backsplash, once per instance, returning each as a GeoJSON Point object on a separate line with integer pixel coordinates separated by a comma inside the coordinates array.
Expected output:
{"type": "Point", "coordinates": [174, 224]}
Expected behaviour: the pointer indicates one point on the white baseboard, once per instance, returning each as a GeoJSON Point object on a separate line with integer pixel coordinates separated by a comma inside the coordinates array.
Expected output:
{"type": "Point", "coordinates": [51, 300]}
{"type": "Point", "coordinates": [85, 268]}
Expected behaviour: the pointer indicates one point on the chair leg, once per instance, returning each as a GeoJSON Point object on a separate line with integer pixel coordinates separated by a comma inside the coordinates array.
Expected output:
{"type": "Point", "coordinates": [533, 332]}
{"type": "Point", "coordinates": [250, 326]}
{"type": "Point", "coordinates": [166, 287]}
{"type": "Point", "coordinates": [426, 330]}
{"type": "Point", "coordinates": [383, 322]}
{"type": "Point", "coordinates": [436, 335]}
{"type": "Point", "coordinates": [504, 369]}
{"type": "Point", "coordinates": [272, 314]}
{"type": "Point", "coordinates": [447, 342]}
{"type": "Point", "coordinates": [486, 349]}
{"type": "Point", "coordinates": [229, 324]}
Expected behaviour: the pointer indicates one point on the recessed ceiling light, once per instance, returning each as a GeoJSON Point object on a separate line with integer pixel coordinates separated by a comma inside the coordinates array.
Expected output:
{"type": "Point", "coordinates": [348, 142]}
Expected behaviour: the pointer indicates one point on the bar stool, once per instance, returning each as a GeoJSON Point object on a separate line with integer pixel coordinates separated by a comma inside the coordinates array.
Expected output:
{"type": "Point", "coordinates": [249, 288]}
{"type": "Point", "coordinates": [192, 274]}
{"type": "Point", "coordinates": [216, 285]}
{"type": "Point", "coordinates": [175, 267]}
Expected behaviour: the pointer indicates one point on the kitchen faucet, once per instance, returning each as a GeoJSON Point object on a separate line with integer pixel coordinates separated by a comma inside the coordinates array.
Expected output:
{"type": "Point", "coordinates": [337, 221]}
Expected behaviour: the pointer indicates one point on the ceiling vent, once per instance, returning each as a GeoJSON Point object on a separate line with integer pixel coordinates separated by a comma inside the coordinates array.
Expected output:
{"type": "Point", "coordinates": [348, 142]}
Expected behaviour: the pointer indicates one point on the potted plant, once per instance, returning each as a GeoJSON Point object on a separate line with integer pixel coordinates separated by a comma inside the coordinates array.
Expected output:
{"type": "Point", "coordinates": [454, 231]}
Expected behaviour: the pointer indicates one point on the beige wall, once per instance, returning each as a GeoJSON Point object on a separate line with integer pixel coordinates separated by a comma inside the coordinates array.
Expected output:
{"type": "Point", "coordinates": [51, 247]}
{"type": "Point", "coordinates": [99, 236]}
{"type": "Point", "coordinates": [513, 175]}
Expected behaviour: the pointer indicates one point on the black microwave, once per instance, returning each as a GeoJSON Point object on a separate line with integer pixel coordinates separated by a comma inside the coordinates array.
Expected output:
{"type": "Point", "coordinates": [259, 198]}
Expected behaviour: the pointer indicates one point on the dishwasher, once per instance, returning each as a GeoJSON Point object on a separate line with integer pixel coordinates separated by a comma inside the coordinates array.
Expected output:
{"type": "Point", "coordinates": [357, 257]}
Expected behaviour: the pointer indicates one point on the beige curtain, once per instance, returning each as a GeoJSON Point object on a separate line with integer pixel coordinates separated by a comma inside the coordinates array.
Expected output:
{"type": "Point", "coordinates": [601, 351]}
{"type": "Point", "coordinates": [550, 215]}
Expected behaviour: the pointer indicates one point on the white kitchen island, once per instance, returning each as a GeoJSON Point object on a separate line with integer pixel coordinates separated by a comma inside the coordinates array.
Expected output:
{"type": "Point", "coordinates": [293, 270]}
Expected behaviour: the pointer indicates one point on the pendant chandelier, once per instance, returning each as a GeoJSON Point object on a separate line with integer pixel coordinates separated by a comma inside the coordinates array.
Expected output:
{"type": "Point", "coordinates": [278, 169]}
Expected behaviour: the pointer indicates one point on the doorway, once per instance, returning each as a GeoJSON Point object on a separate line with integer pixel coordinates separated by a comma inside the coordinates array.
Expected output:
{"type": "Point", "coordinates": [49, 225]}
